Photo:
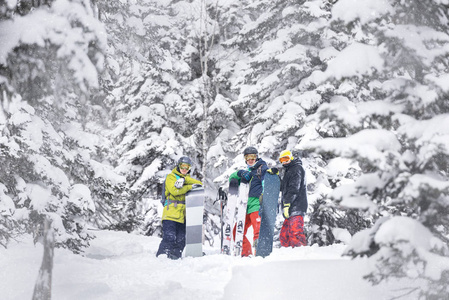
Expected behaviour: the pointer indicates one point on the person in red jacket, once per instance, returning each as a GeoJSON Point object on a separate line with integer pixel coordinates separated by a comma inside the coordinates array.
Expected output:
{"type": "Point", "coordinates": [294, 201]}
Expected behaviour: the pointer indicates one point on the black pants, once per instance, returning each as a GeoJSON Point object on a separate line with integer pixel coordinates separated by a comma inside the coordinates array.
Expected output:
{"type": "Point", "coordinates": [173, 239]}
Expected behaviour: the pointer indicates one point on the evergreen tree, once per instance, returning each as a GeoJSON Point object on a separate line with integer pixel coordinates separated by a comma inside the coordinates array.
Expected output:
{"type": "Point", "coordinates": [167, 105]}
{"type": "Point", "coordinates": [388, 113]}
{"type": "Point", "coordinates": [50, 135]}
{"type": "Point", "coordinates": [276, 47]}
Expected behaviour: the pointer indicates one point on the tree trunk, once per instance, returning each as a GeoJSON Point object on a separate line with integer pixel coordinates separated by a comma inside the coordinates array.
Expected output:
{"type": "Point", "coordinates": [204, 145]}
{"type": "Point", "coordinates": [205, 47]}
{"type": "Point", "coordinates": [42, 289]}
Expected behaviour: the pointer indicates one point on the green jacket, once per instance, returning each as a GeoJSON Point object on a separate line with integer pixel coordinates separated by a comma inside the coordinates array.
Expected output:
{"type": "Point", "coordinates": [253, 202]}
{"type": "Point", "coordinates": [176, 211]}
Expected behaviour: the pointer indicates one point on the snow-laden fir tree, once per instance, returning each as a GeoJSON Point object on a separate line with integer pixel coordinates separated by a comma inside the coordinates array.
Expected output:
{"type": "Point", "coordinates": [165, 101]}
{"type": "Point", "coordinates": [52, 161]}
{"type": "Point", "coordinates": [389, 113]}
{"type": "Point", "coordinates": [276, 47]}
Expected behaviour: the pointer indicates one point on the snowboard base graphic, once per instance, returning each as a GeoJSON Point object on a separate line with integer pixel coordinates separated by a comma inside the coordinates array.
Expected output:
{"type": "Point", "coordinates": [229, 216]}
{"type": "Point", "coordinates": [194, 222]}
{"type": "Point", "coordinates": [268, 212]}
{"type": "Point", "coordinates": [241, 217]}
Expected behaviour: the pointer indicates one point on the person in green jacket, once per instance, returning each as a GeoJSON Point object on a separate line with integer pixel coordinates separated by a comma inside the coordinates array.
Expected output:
{"type": "Point", "coordinates": [254, 176]}
{"type": "Point", "coordinates": [177, 184]}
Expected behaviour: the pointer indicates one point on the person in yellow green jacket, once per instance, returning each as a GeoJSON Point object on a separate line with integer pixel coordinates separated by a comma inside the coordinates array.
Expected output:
{"type": "Point", "coordinates": [177, 184]}
{"type": "Point", "coordinates": [254, 175]}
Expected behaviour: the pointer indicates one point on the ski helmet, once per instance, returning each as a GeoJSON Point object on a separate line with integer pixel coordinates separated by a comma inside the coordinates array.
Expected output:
{"type": "Point", "coordinates": [250, 150]}
{"type": "Point", "coordinates": [286, 153]}
{"type": "Point", "coordinates": [184, 160]}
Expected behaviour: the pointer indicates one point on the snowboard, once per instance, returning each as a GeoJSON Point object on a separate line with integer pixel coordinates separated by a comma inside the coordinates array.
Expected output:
{"type": "Point", "coordinates": [241, 216]}
{"type": "Point", "coordinates": [268, 212]}
{"type": "Point", "coordinates": [228, 220]}
{"type": "Point", "coordinates": [194, 222]}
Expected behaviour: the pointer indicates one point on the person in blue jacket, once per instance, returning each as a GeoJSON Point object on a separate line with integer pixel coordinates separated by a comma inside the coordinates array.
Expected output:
{"type": "Point", "coordinates": [254, 175]}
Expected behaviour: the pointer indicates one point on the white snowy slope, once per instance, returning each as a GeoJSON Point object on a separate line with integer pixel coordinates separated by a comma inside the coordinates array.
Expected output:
{"type": "Point", "coordinates": [121, 266]}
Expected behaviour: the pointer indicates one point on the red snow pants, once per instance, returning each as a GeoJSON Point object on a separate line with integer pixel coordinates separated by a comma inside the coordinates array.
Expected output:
{"type": "Point", "coordinates": [292, 232]}
{"type": "Point", "coordinates": [251, 219]}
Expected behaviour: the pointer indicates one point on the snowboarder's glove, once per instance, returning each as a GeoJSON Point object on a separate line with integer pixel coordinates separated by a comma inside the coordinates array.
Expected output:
{"type": "Point", "coordinates": [244, 174]}
{"type": "Point", "coordinates": [196, 185]}
{"type": "Point", "coordinates": [255, 243]}
{"type": "Point", "coordinates": [273, 171]}
{"type": "Point", "coordinates": [285, 210]}
{"type": "Point", "coordinates": [179, 183]}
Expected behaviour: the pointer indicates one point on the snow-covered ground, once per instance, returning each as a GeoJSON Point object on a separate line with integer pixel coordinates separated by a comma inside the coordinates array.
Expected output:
{"type": "Point", "coordinates": [123, 266]}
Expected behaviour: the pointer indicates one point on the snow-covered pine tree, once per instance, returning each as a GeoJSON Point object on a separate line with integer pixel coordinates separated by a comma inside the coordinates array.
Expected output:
{"type": "Point", "coordinates": [49, 149]}
{"type": "Point", "coordinates": [321, 222]}
{"type": "Point", "coordinates": [280, 44]}
{"type": "Point", "coordinates": [138, 86]}
{"type": "Point", "coordinates": [217, 122]}
{"type": "Point", "coordinates": [276, 47]}
{"type": "Point", "coordinates": [168, 105]}
{"type": "Point", "coordinates": [389, 114]}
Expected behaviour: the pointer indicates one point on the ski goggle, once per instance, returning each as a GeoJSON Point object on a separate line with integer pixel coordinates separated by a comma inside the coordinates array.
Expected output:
{"type": "Point", "coordinates": [284, 159]}
{"type": "Point", "coordinates": [250, 156]}
{"type": "Point", "coordinates": [184, 166]}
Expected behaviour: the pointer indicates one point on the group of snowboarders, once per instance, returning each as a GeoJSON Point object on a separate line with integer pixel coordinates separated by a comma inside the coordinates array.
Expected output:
{"type": "Point", "coordinates": [293, 202]}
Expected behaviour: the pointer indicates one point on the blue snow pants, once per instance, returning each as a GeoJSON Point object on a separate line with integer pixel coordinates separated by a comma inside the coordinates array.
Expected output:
{"type": "Point", "coordinates": [173, 239]}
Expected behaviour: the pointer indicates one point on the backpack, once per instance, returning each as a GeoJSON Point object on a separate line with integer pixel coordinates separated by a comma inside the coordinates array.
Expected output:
{"type": "Point", "coordinates": [163, 199]}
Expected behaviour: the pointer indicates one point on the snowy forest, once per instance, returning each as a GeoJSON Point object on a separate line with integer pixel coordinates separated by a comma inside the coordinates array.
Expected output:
{"type": "Point", "coordinates": [100, 98]}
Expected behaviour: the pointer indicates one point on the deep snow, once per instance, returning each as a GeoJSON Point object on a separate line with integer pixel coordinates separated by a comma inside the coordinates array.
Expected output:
{"type": "Point", "coordinates": [121, 266]}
